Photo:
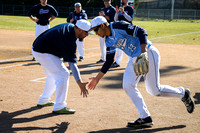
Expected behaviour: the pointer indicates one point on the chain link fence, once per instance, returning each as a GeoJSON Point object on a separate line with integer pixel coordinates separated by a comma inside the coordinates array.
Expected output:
{"type": "Point", "coordinates": [21, 10]}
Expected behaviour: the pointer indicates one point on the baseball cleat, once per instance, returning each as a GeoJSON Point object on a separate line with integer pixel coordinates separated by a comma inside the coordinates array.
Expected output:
{"type": "Point", "coordinates": [115, 64]}
{"type": "Point", "coordinates": [33, 59]}
{"type": "Point", "coordinates": [187, 100]}
{"type": "Point", "coordinates": [100, 61]}
{"type": "Point", "coordinates": [81, 58]}
{"type": "Point", "coordinates": [50, 103]}
{"type": "Point", "coordinates": [141, 122]}
{"type": "Point", "coordinates": [65, 110]}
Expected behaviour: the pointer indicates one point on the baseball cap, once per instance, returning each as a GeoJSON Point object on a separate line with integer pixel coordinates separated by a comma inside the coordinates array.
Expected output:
{"type": "Point", "coordinates": [83, 24]}
{"type": "Point", "coordinates": [97, 21]}
{"type": "Point", "coordinates": [77, 4]}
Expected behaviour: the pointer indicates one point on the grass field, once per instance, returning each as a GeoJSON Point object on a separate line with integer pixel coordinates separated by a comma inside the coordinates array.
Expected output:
{"type": "Point", "coordinates": [184, 32]}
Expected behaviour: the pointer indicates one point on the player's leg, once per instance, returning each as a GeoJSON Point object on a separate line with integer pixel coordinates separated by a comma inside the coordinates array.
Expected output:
{"type": "Point", "coordinates": [153, 81]}
{"type": "Point", "coordinates": [49, 89]}
{"type": "Point", "coordinates": [44, 28]}
{"type": "Point", "coordinates": [103, 50]}
{"type": "Point", "coordinates": [40, 29]}
{"type": "Point", "coordinates": [153, 78]}
{"type": "Point", "coordinates": [130, 81]}
{"type": "Point", "coordinates": [80, 48]}
{"type": "Point", "coordinates": [119, 58]}
{"type": "Point", "coordinates": [58, 71]}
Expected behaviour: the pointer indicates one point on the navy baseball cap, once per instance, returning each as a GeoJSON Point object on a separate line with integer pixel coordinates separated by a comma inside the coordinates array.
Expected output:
{"type": "Point", "coordinates": [77, 4]}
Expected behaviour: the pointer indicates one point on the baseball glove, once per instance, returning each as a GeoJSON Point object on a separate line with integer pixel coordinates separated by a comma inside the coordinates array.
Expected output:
{"type": "Point", "coordinates": [141, 65]}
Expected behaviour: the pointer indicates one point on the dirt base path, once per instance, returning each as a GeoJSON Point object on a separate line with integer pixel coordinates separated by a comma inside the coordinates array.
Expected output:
{"type": "Point", "coordinates": [107, 109]}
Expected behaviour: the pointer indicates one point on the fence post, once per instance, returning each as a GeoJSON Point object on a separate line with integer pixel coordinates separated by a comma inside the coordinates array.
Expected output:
{"type": "Point", "coordinates": [172, 10]}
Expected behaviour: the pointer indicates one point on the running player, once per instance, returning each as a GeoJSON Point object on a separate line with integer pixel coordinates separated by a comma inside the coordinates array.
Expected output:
{"type": "Point", "coordinates": [133, 41]}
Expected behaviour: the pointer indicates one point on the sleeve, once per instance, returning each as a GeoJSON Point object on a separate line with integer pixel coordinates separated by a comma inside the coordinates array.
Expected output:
{"type": "Point", "coordinates": [54, 12]}
{"type": "Point", "coordinates": [110, 54]}
{"type": "Point", "coordinates": [142, 35]}
{"type": "Point", "coordinates": [127, 17]}
{"type": "Point", "coordinates": [75, 71]}
{"type": "Point", "coordinates": [69, 17]}
{"type": "Point", "coordinates": [31, 11]}
{"type": "Point", "coordinates": [85, 16]}
{"type": "Point", "coordinates": [116, 17]}
{"type": "Point", "coordinates": [108, 63]}
{"type": "Point", "coordinates": [112, 15]}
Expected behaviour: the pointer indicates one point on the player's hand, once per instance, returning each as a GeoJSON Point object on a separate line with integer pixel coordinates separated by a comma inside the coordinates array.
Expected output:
{"type": "Point", "coordinates": [101, 13]}
{"type": "Point", "coordinates": [117, 9]}
{"type": "Point", "coordinates": [94, 81]}
{"type": "Point", "coordinates": [71, 20]}
{"type": "Point", "coordinates": [36, 20]}
{"type": "Point", "coordinates": [121, 9]}
{"type": "Point", "coordinates": [83, 88]}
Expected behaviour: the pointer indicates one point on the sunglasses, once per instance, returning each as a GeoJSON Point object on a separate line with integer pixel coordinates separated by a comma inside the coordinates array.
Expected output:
{"type": "Point", "coordinates": [96, 29]}
{"type": "Point", "coordinates": [86, 31]}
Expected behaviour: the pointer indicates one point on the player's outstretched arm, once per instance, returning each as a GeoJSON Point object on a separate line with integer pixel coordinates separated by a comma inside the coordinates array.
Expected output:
{"type": "Point", "coordinates": [95, 80]}
{"type": "Point", "coordinates": [82, 85]}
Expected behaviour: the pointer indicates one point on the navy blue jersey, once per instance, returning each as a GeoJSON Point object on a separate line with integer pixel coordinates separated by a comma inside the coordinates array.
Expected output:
{"type": "Point", "coordinates": [43, 13]}
{"type": "Point", "coordinates": [110, 11]}
{"type": "Point", "coordinates": [129, 10]}
{"type": "Point", "coordinates": [77, 16]}
{"type": "Point", "coordinates": [59, 41]}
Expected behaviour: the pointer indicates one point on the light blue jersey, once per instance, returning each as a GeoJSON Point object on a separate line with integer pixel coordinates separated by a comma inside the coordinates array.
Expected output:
{"type": "Point", "coordinates": [124, 37]}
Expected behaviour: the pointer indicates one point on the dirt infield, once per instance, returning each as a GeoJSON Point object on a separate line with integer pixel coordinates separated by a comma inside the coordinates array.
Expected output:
{"type": "Point", "coordinates": [107, 109]}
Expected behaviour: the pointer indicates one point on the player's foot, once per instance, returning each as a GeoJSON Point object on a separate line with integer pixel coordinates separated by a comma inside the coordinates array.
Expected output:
{"type": "Point", "coordinates": [115, 64]}
{"type": "Point", "coordinates": [100, 61]}
{"type": "Point", "coordinates": [50, 103]}
{"type": "Point", "coordinates": [33, 59]}
{"type": "Point", "coordinates": [141, 122]}
{"type": "Point", "coordinates": [187, 100]}
{"type": "Point", "coordinates": [65, 110]}
{"type": "Point", "coordinates": [81, 58]}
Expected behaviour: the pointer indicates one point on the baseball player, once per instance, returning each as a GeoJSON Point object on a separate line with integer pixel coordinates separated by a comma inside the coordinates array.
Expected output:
{"type": "Point", "coordinates": [73, 17]}
{"type": "Point", "coordinates": [125, 12]}
{"type": "Point", "coordinates": [44, 14]}
{"type": "Point", "coordinates": [108, 12]}
{"type": "Point", "coordinates": [48, 48]}
{"type": "Point", "coordinates": [133, 41]}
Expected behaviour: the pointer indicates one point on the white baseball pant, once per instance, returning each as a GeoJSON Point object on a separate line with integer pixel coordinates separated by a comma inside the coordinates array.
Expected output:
{"type": "Point", "coordinates": [40, 29]}
{"type": "Point", "coordinates": [103, 48]}
{"type": "Point", "coordinates": [119, 56]}
{"type": "Point", "coordinates": [152, 82]}
{"type": "Point", "coordinates": [80, 47]}
{"type": "Point", "coordinates": [57, 79]}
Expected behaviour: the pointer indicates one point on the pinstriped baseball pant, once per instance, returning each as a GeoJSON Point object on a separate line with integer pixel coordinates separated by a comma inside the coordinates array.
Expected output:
{"type": "Point", "coordinates": [152, 82]}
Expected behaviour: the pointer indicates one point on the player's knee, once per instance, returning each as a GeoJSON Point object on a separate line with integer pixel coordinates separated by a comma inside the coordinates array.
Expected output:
{"type": "Point", "coordinates": [128, 85]}
{"type": "Point", "coordinates": [153, 91]}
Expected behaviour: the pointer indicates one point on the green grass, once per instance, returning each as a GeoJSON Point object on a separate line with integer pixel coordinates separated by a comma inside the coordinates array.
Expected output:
{"type": "Point", "coordinates": [155, 29]}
